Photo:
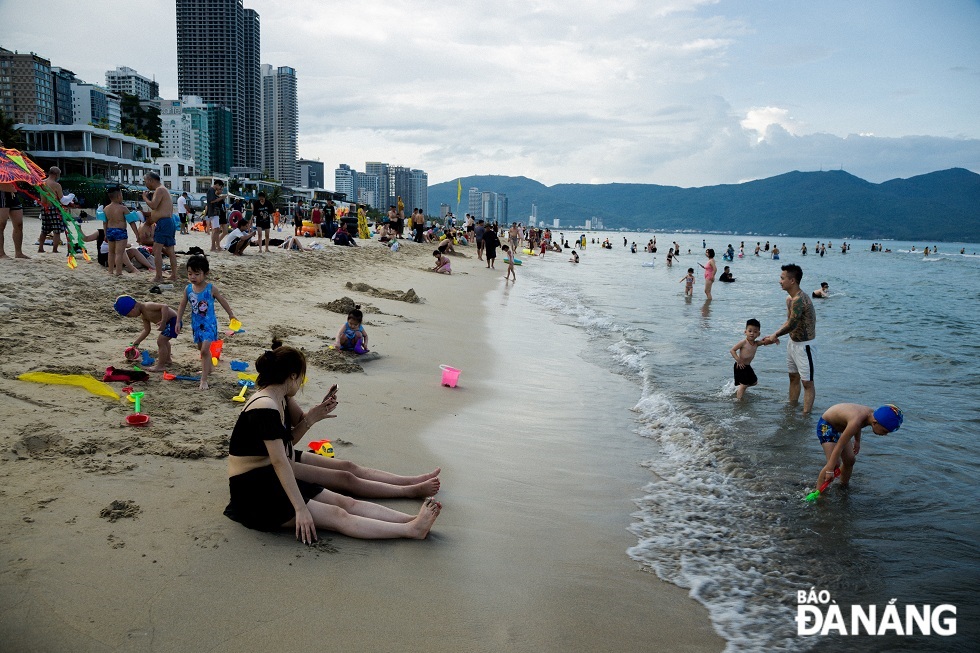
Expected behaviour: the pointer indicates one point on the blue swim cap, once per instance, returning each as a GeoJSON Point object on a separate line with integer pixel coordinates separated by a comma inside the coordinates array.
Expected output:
{"type": "Point", "coordinates": [124, 304]}
{"type": "Point", "coordinates": [890, 416]}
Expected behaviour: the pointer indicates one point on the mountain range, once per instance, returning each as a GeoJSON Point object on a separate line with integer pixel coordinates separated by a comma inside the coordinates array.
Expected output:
{"type": "Point", "coordinates": [938, 206]}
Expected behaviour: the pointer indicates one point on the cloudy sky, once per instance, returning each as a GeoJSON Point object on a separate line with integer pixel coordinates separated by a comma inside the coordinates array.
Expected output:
{"type": "Point", "coordinates": [676, 92]}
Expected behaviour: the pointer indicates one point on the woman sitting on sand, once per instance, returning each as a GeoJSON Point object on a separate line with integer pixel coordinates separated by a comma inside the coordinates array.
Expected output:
{"type": "Point", "coordinates": [266, 492]}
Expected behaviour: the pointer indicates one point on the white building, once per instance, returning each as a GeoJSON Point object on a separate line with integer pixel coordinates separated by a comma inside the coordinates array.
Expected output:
{"type": "Point", "coordinates": [177, 133]}
{"type": "Point", "coordinates": [178, 175]}
{"type": "Point", "coordinates": [127, 80]}
{"type": "Point", "coordinates": [90, 151]}
{"type": "Point", "coordinates": [345, 180]}
{"type": "Point", "coordinates": [94, 105]}
{"type": "Point", "coordinates": [555, 224]}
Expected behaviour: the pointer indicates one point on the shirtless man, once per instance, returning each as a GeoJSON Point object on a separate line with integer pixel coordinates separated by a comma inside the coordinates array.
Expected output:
{"type": "Point", "coordinates": [801, 325]}
{"type": "Point", "coordinates": [51, 220]}
{"type": "Point", "coordinates": [162, 218]}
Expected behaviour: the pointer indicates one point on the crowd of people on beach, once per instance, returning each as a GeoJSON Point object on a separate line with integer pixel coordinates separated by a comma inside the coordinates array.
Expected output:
{"type": "Point", "coordinates": [272, 486]}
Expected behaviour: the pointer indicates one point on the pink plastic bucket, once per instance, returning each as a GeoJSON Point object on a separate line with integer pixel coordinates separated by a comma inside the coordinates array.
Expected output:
{"type": "Point", "coordinates": [450, 375]}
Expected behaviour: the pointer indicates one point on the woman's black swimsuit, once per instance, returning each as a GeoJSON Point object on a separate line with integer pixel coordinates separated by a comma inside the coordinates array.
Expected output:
{"type": "Point", "coordinates": [258, 499]}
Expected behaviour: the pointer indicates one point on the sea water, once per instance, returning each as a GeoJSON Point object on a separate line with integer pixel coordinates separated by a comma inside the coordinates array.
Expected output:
{"type": "Point", "coordinates": [723, 513]}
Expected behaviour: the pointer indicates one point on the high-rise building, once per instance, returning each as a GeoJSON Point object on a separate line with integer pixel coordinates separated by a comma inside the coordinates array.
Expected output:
{"type": "Point", "coordinates": [473, 202]}
{"type": "Point", "coordinates": [93, 105]}
{"type": "Point", "coordinates": [194, 107]}
{"type": "Point", "coordinates": [418, 190]}
{"type": "Point", "coordinates": [386, 195]}
{"type": "Point", "coordinates": [26, 88]}
{"type": "Point", "coordinates": [345, 181]}
{"type": "Point", "coordinates": [311, 173]}
{"type": "Point", "coordinates": [368, 189]}
{"type": "Point", "coordinates": [217, 60]}
{"type": "Point", "coordinates": [280, 117]}
{"type": "Point", "coordinates": [61, 81]}
{"type": "Point", "coordinates": [400, 181]}
{"type": "Point", "coordinates": [126, 80]}
{"type": "Point", "coordinates": [176, 129]}
{"type": "Point", "coordinates": [252, 92]}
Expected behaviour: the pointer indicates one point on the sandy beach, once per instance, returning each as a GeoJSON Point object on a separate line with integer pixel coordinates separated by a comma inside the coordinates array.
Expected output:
{"type": "Point", "coordinates": [112, 538]}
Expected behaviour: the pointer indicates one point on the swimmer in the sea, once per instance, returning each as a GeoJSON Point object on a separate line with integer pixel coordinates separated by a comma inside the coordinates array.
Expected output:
{"type": "Point", "coordinates": [823, 292]}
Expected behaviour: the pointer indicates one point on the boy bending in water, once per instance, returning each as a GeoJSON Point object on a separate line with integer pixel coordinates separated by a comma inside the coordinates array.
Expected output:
{"type": "Point", "coordinates": [743, 353]}
{"type": "Point", "coordinates": [153, 314]}
{"type": "Point", "coordinates": [839, 432]}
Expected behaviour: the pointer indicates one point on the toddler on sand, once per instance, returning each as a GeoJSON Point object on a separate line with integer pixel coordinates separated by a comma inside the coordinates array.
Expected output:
{"type": "Point", "coordinates": [153, 314]}
{"type": "Point", "coordinates": [352, 336]}
{"type": "Point", "coordinates": [201, 296]}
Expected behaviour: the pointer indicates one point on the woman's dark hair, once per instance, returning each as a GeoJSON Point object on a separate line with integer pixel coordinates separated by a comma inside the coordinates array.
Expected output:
{"type": "Point", "coordinates": [437, 252]}
{"type": "Point", "coordinates": [278, 364]}
{"type": "Point", "coordinates": [710, 253]}
{"type": "Point", "coordinates": [199, 263]}
{"type": "Point", "coordinates": [356, 313]}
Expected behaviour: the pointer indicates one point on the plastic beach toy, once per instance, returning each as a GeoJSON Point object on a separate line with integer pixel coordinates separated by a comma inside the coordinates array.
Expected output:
{"type": "Point", "coordinates": [239, 366]}
{"type": "Point", "coordinates": [84, 381]}
{"type": "Point", "coordinates": [235, 325]}
{"type": "Point", "coordinates": [146, 358]}
{"type": "Point", "coordinates": [131, 353]}
{"type": "Point", "coordinates": [823, 486]}
{"type": "Point", "coordinates": [244, 376]}
{"type": "Point", "coordinates": [216, 347]}
{"type": "Point", "coordinates": [322, 447]}
{"type": "Point", "coordinates": [450, 375]}
{"type": "Point", "coordinates": [167, 376]}
{"type": "Point", "coordinates": [137, 419]}
{"type": "Point", "coordinates": [240, 397]}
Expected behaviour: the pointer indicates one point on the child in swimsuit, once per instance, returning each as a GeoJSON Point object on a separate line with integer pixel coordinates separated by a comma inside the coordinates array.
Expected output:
{"type": "Point", "coordinates": [352, 336]}
{"type": "Point", "coordinates": [154, 314]}
{"type": "Point", "coordinates": [839, 433]}
{"type": "Point", "coordinates": [689, 278]}
{"type": "Point", "coordinates": [743, 353]}
{"type": "Point", "coordinates": [201, 296]}
{"type": "Point", "coordinates": [442, 265]}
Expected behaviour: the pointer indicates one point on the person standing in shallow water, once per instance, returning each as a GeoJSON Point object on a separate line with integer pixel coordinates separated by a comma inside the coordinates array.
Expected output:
{"type": "Point", "coordinates": [710, 270]}
{"type": "Point", "coordinates": [801, 325]}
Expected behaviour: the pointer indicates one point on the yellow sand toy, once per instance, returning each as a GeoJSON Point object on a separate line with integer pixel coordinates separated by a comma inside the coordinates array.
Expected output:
{"type": "Point", "coordinates": [321, 447]}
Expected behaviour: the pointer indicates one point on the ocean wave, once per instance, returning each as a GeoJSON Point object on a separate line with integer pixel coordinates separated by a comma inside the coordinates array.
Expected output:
{"type": "Point", "coordinates": [703, 525]}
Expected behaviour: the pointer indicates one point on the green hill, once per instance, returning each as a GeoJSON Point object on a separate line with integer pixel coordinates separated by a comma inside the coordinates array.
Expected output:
{"type": "Point", "coordinates": [940, 206]}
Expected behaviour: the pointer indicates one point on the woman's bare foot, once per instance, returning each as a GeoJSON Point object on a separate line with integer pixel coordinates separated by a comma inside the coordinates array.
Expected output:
{"type": "Point", "coordinates": [424, 489]}
{"type": "Point", "coordinates": [419, 527]}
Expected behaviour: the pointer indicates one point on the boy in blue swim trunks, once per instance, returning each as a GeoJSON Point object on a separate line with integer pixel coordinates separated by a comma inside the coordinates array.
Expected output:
{"type": "Point", "coordinates": [153, 314]}
{"type": "Point", "coordinates": [115, 231]}
{"type": "Point", "coordinates": [839, 433]}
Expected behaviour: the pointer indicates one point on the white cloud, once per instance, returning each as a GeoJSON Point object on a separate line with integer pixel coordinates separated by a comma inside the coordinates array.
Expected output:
{"type": "Point", "coordinates": [687, 92]}
{"type": "Point", "coordinates": [761, 118]}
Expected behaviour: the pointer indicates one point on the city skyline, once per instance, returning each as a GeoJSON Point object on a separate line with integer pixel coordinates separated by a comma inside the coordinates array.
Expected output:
{"type": "Point", "coordinates": [685, 92]}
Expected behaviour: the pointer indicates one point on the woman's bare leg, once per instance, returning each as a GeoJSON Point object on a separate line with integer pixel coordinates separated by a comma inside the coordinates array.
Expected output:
{"type": "Point", "coordinates": [366, 472]}
{"type": "Point", "coordinates": [337, 519]}
{"type": "Point", "coordinates": [345, 481]}
{"type": "Point", "coordinates": [363, 508]}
